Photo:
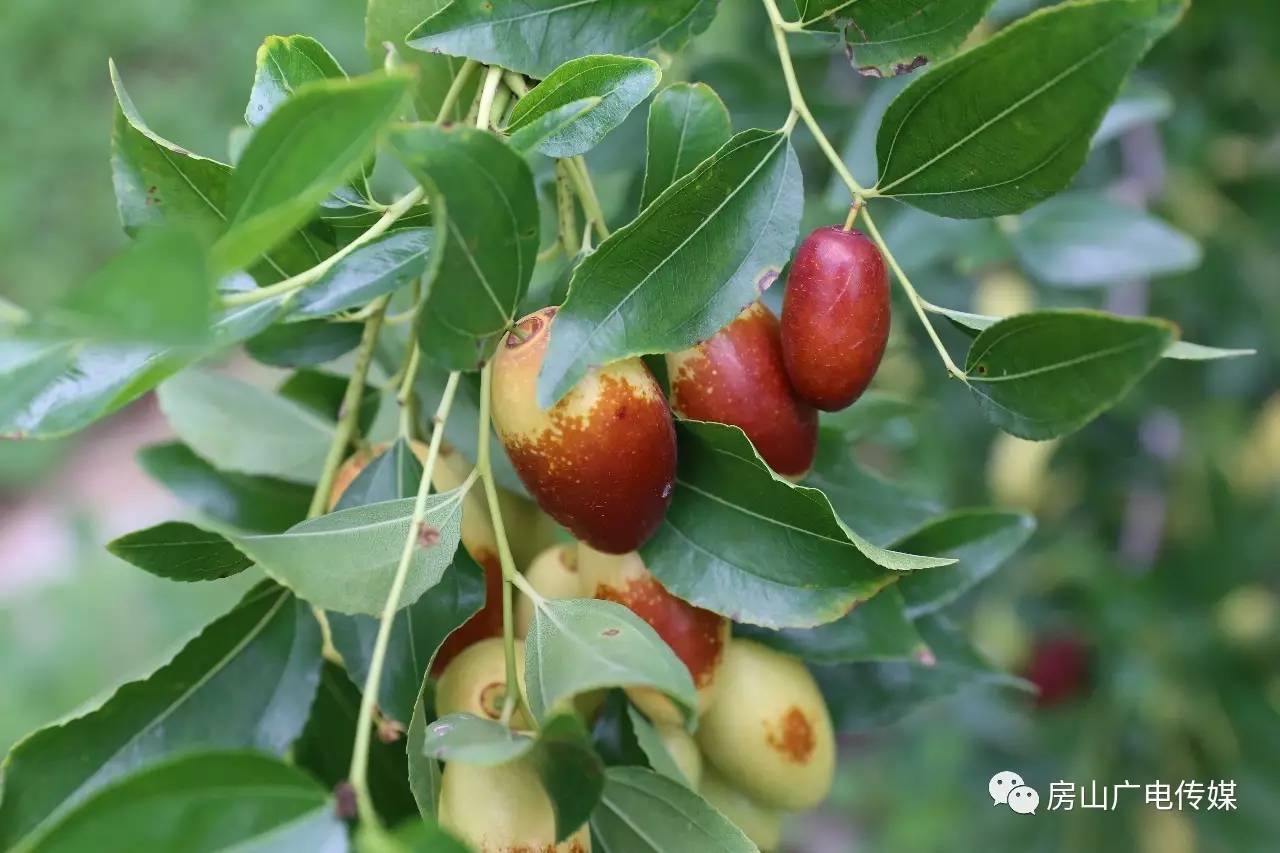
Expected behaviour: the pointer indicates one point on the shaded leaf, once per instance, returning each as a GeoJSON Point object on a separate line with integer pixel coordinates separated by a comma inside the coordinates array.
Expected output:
{"type": "Point", "coordinates": [180, 551]}
{"type": "Point", "coordinates": [887, 37]}
{"type": "Point", "coordinates": [980, 540]}
{"type": "Point", "coordinates": [654, 750]}
{"type": "Point", "coordinates": [305, 344]}
{"type": "Point", "coordinates": [645, 812]}
{"type": "Point", "coordinates": [388, 22]}
{"type": "Point", "coordinates": [877, 629]}
{"type": "Point", "coordinates": [375, 269]}
{"type": "Point", "coordinates": [687, 124]}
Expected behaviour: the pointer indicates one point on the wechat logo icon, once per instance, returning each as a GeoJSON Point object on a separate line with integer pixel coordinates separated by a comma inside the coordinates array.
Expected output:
{"type": "Point", "coordinates": [1009, 789]}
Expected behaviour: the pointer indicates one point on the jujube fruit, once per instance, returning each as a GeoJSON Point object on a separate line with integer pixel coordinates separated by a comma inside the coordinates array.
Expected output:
{"type": "Point", "coordinates": [698, 637]}
{"type": "Point", "coordinates": [737, 377]}
{"type": "Point", "coordinates": [601, 461]}
{"type": "Point", "coordinates": [1059, 668]}
{"type": "Point", "coordinates": [769, 732]}
{"type": "Point", "coordinates": [502, 809]}
{"type": "Point", "coordinates": [835, 317]}
{"type": "Point", "coordinates": [683, 750]}
{"type": "Point", "coordinates": [760, 823]}
{"type": "Point", "coordinates": [475, 681]}
{"type": "Point", "coordinates": [553, 574]}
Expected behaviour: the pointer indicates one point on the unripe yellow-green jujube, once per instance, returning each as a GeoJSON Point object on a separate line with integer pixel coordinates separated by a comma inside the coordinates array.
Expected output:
{"type": "Point", "coordinates": [475, 682]}
{"type": "Point", "coordinates": [769, 732]}
{"type": "Point", "coordinates": [761, 824]}
{"type": "Point", "coordinates": [683, 751]}
{"type": "Point", "coordinates": [502, 809]}
{"type": "Point", "coordinates": [554, 574]}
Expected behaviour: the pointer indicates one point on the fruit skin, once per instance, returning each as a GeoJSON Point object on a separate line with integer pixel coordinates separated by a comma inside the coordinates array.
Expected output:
{"type": "Point", "coordinates": [737, 377]}
{"type": "Point", "coordinates": [503, 809]}
{"type": "Point", "coordinates": [698, 637]}
{"type": "Point", "coordinates": [683, 750]}
{"type": "Point", "coordinates": [602, 461]}
{"type": "Point", "coordinates": [554, 574]}
{"type": "Point", "coordinates": [835, 317]}
{"type": "Point", "coordinates": [1059, 668]}
{"type": "Point", "coordinates": [769, 734]}
{"type": "Point", "coordinates": [761, 824]}
{"type": "Point", "coordinates": [475, 682]}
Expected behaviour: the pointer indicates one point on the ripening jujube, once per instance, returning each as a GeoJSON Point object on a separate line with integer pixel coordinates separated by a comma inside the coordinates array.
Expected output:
{"type": "Point", "coordinates": [475, 681]}
{"type": "Point", "coordinates": [502, 809]}
{"type": "Point", "coordinates": [760, 823]}
{"type": "Point", "coordinates": [553, 574]}
{"type": "Point", "coordinates": [738, 377]}
{"type": "Point", "coordinates": [835, 317]}
{"type": "Point", "coordinates": [602, 460]}
{"type": "Point", "coordinates": [769, 733]}
{"type": "Point", "coordinates": [697, 636]}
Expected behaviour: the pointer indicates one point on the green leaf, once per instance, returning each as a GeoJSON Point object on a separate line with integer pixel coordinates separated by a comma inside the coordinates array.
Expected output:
{"type": "Point", "coordinates": [242, 428]}
{"type": "Point", "coordinates": [874, 410]}
{"type": "Point", "coordinates": [310, 145]}
{"type": "Point", "coordinates": [283, 64]}
{"type": "Point", "coordinates": [685, 267]}
{"type": "Point", "coordinates": [644, 812]}
{"type": "Point", "coordinates": [204, 801]}
{"type": "Point", "coordinates": [1035, 93]}
{"type": "Point", "coordinates": [325, 746]}
{"type": "Point", "coordinates": [876, 508]}
{"type": "Point", "coordinates": [257, 503]}
{"type": "Point", "coordinates": [416, 636]}
{"type": "Point", "coordinates": [388, 22]}
{"type": "Point", "coordinates": [412, 836]}
{"type": "Point", "coordinates": [1048, 373]}
{"type": "Point", "coordinates": [877, 629]}
{"type": "Point", "coordinates": [1085, 239]}
{"type": "Point", "coordinates": [305, 344]}
{"type": "Point", "coordinates": [861, 696]}
{"type": "Point", "coordinates": [570, 770]}
{"type": "Point", "coordinates": [246, 681]}
{"type": "Point", "coordinates": [322, 393]}
{"type": "Point", "coordinates": [687, 124]}
{"type": "Point", "coordinates": [181, 552]}
{"type": "Point", "coordinates": [980, 540]}
{"type": "Point", "coordinates": [577, 644]}
{"type": "Point", "coordinates": [888, 37]}
{"type": "Point", "coordinates": [424, 772]}
{"type": "Point", "coordinates": [486, 215]}
{"type": "Point", "coordinates": [346, 560]}
{"type": "Point", "coordinates": [620, 82]}
{"type": "Point", "coordinates": [550, 125]}
{"type": "Point", "coordinates": [157, 290]}
{"type": "Point", "coordinates": [535, 36]}
{"type": "Point", "coordinates": [746, 543]}
{"type": "Point", "coordinates": [655, 751]}
{"type": "Point", "coordinates": [157, 181]}
{"type": "Point", "coordinates": [375, 269]}
{"type": "Point", "coordinates": [392, 475]}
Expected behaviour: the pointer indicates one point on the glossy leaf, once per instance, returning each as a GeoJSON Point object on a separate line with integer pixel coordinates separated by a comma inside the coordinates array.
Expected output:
{"type": "Point", "coordinates": [306, 344]}
{"type": "Point", "coordinates": [389, 22]}
{"type": "Point", "coordinates": [1085, 239]}
{"type": "Point", "coordinates": [1048, 373]}
{"type": "Point", "coordinates": [346, 560]}
{"type": "Point", "coordinates": [887, 37]}
{"type": "Point", "coordinates": [877, 629]}
{"type": "Point", "coordinates": [373, 270]}
{"type": "Point", "coordinates": [620, 82]}
{"type": "Point", "coordinates": [310, 145]}
{"type": "Point", "coordinates": [644, 812]}
{"type": "Point", "coordinates": [325, 746]}
{"type": "Point", "coordinates": [550, 125]}
{"type": "Point", "coordinates": [687, 124]}
{"type": "Point", "coordinates": [246, 681]}
{"type": "Point", "coordinates": [1008, 123]}
{"type": "Point", "coordinates": [157, 290]}
{"type": "Point", "coordinates": [745, 543]}
{"type": "Point", "coordinates": [686, 266]}
{"type": "Point", "coordinates": [217, 415]}
{"type": "Point", "coordinates": [980, 540]}
{"type": "Point", "coordinates": [283, 64]}
{"type": "Point", "coordinates": [486, 214]}
{"type": "Point", "coordinates": [577, 644]}
{"type": "Point", "coordinates": [181, 552]}
{"type": "Point", "coordinates": [204, 801]}
{"type": "Point", "coordinates": [535, 36]}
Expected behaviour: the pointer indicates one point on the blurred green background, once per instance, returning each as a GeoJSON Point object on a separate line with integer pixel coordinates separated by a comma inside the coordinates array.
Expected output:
{"type": "Point", "coordinates": [1156, 562]}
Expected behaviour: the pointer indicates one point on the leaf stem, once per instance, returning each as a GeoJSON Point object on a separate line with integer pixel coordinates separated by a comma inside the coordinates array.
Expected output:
{"type": "Point", "coordinates": [492, 78]}
{"type": "Point", "coordinates": [916, 302]}
{"type": "Point", "coordinates": [349, 412]}
{"type": "Point", "coordinates": [364, 722]}
{"type": "Point", "coordinates": [295, 283]}
{"type": "Point", "coordinates": [515, 693]}
{"type": "Point", "coordinates": [581, 177]}
{"type": "Point", "coordinates": [566, 211]}
{"type": "Point", "coordinates": [455, 90]}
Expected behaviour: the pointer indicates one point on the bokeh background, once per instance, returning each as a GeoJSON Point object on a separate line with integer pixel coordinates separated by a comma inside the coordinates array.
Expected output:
{"type": "Point", "coordinates": [1147, 605]}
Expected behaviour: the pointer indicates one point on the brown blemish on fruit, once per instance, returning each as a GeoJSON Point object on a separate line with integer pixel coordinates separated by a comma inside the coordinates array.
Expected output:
{"type": "Point", "coordinates": [792, 737]}
{"type": "Point", "coordinates": [696, 636]}
{"type": "Point", "coordinates": [492, 697]}
{"type": "Point", "coordinates": [569, 559]}
{"type": "Point", "coordinates": [605, 475]}
{"type": "Point", "coordinates": [737, 377]}
{"type": "Point", "coordinates": [487, 622]}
